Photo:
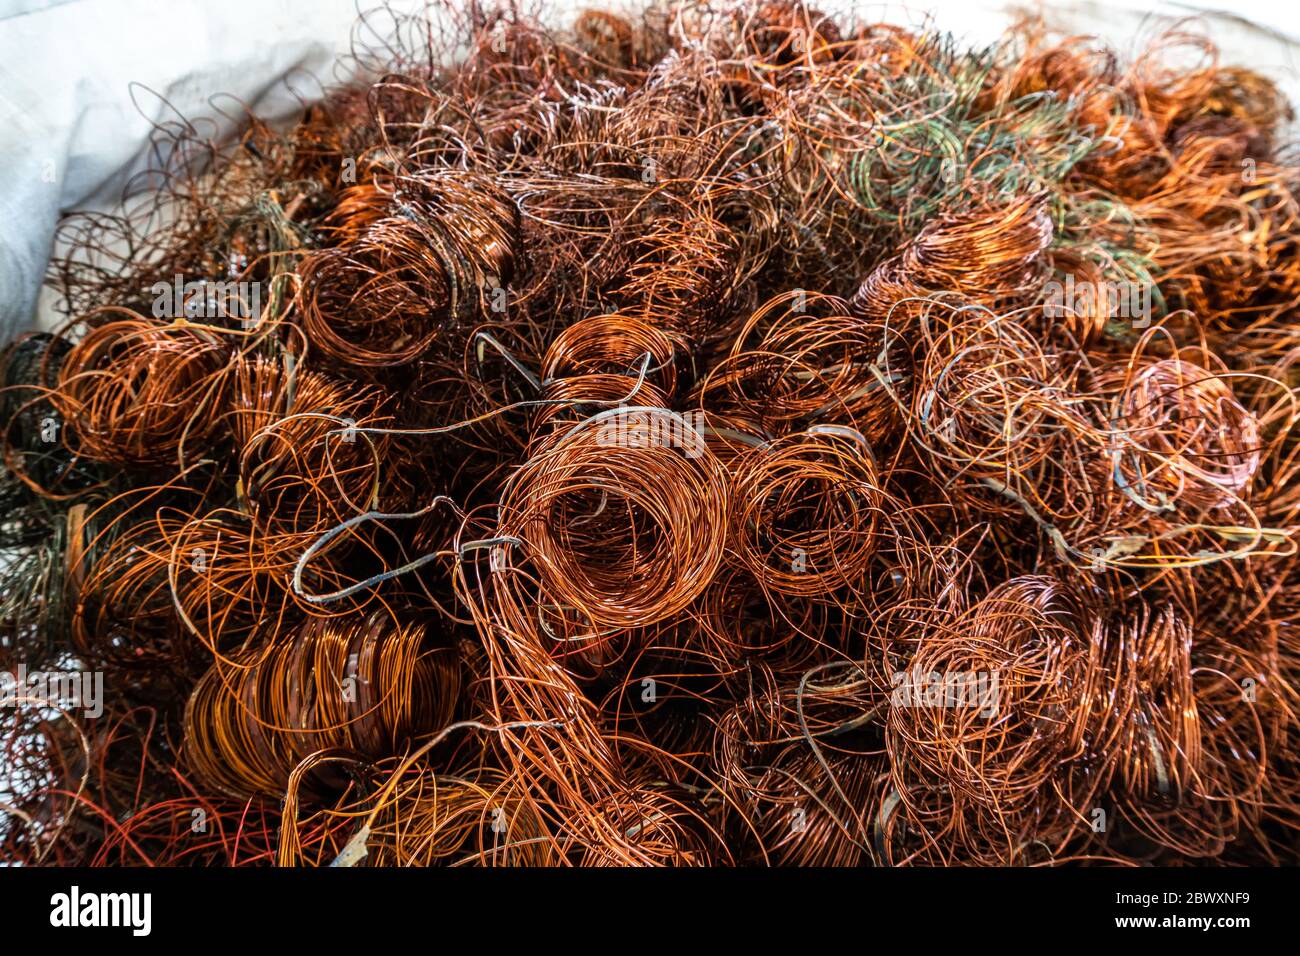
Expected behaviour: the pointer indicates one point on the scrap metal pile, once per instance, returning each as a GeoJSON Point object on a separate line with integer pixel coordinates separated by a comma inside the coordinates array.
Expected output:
{"type": "Point", "coordinates": [725, 435]}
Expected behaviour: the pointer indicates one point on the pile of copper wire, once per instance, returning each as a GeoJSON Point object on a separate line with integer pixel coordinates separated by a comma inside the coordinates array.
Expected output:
{"type": "Point", "coordinates": [723, 435]}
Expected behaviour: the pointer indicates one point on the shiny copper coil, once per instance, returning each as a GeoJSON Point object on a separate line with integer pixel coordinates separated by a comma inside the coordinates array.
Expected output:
{"type": "Point", "coordinates": [1184, 441]}
{"type": "Point", "coordinates": [363, 684]}
{"type": "Point", "coordinates": [1031, 636]}
{"type": "Point", "coordinates": [613, 345]}
{"type": "Point", "coordinates": [605, 509]}
{"type": "Point", "coordinates": [137, 393]}
{"type": "Point", "coordinates": [804, 358]}
{"type": "Point", "coordinates": [572, 400]}
{"type": "Point", "coordinates": [807, 511]}
{"type": "Point", "coordinates": [407, 277]}
{"type": "Point", "coordinates": [305, 461]}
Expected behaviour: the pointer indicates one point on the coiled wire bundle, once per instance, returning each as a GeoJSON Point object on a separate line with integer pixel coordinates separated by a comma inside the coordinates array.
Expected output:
{"type": "Point", "coordinates": [724, 435]}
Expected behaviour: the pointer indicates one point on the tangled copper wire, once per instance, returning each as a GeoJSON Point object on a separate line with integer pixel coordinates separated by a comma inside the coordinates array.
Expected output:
{"type": "Point", "coordinates": [722, 435]}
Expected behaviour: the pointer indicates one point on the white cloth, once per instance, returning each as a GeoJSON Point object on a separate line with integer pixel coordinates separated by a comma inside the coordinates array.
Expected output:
{"type": "Point", "coordinates": [76, 110]}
